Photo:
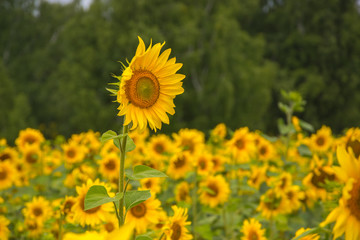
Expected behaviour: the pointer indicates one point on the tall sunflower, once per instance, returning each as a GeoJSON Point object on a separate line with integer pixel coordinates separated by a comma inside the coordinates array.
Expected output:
{"type": "Point", "coordinates": [176, 229]}
{"type": "Point", "coordinates": [148, 87]}
{"type": "Point", "coordinates": [347, 214]}
{"type": "Point", "coordinates": [252, 230]}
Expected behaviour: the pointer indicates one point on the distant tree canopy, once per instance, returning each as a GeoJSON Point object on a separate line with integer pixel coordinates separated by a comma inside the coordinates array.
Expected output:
{"type": "Point", "coordinates": [56, 61]}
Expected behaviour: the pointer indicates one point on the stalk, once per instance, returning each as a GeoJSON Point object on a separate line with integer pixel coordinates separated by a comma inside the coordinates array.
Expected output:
{"type": "Point", "coordinates": [122, 175]}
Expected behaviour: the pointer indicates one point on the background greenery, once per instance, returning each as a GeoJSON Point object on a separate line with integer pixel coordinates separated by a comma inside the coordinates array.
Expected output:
{"type": "Point", "coordinates": [56, 61]}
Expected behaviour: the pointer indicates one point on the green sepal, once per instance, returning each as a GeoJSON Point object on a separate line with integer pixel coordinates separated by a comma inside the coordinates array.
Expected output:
{"type": "Point", "coordinates": [141, 172]}
{"type": "Point", "coordinates": [97, 195]}
{"type": "Point", "coordinates": [133, 198]}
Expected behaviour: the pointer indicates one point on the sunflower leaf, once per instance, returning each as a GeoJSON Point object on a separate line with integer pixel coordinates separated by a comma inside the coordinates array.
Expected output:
{"type": "Point", "coordinates": [97, 195]}
{"type": "Point", "coordinates": [141, 172]}
{"type": "Point", "coordinates": [130, 145]}
{"type": "Point", "coordinates": [304, 150]}
{"type": "Point", "coordinates": [308, 232]}
{"type": "Point", "coordinates": [110, 134]}
{"type": "Point", "coordinates": [133, 198]}
{"type": "Point", "coordinates": [143, 237]}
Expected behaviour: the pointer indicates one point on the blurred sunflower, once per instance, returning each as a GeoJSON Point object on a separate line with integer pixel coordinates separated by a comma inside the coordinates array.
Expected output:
{"type": "Point", "coordinates": [92, 216]}
{"type": "Point", "coordinates": [308, 237]}
{"type": "Point", "coordinates": [214, 190]}
{"type": "Point", "coordinates": [66, 208]}
{"type": "Point", "coordinates": [321, 141]}
{"type": "Point", "coordinates": [265, 150]}
{"type": "Point", "coordinates": [204, 165]}
{"type": "Point", "coordinates": [148, 87]}
{"type": "Point", "coordinates": [8, 153]}
{"type": "Point", "coordinates": [347, 214]}
{"type": "Point", "coordinates": [182, 192]}
{"type": "Point", "coordinates": [29, 136]}
{"type": "Point", "coordinates": [38, 209]}
{"type": "Point", "coordinates": [180, 164]}
{"type": "Point", "coordinates": [295, 197]}
{"type": "Point", "coordinates": [175, 228]}
{"type": "Point", "coordinates": [152, 184]}
{"type": "Point", "coordinates": [31, 155]}
{"type": "Point", "coordinates": [252, 230]}
{"type": "Point", "coordinates": [35, 228]}
{"type": "Point", "coordinates": [352, 141]}
{"type": "Point", "coordinates": [8, 174]}
{"type": "Point", "coordinates": [160, 145]}
{"type": "Point", "coordinates": [190, 140]}
{"type": "Point", "coordinates": [242, 145]}
{"type": "Point", "coordinates": [110, 166]}
{"type": "Point", "coordinates": [273, 203]}
{"type": "Point", "coordinates": [110, 225]}
{"type": "Point", "coordinates": [108, 147]}
{"type": "Point", "coordinates": [257, 176]}
{"type": "Point", "coordinates": [4, 230]}
{"type": "Point", "coordinates": [218, 134]}
{"type": "Point", "coordinates": [74, 152]}
{"type": "Point", "coordinates": [218, 161]}
{"type": "Point", "coordinates": [144, 214]}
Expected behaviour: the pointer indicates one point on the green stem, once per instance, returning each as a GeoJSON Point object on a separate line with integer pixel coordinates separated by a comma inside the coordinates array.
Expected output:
{"type": "Point", "coordinates": [60, 226]}
{"type": "Point", "coordinates": [194, 199]}
{"type": "Point", "coordinates": [161, 236]}
{"type": "Point", "coordinates": [122, 175]}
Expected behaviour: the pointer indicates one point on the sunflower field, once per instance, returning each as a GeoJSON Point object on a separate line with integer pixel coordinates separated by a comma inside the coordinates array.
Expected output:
{"type": "Point", "coordinates": [140, 184]}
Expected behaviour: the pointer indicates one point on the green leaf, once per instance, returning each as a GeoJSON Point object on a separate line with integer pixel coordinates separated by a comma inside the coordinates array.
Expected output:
{"type": "Point", "coordinates": [304, 150]}
{"type": "Point", "coordinates": [110, 134]}
{"type": "Point", "coordinates": [133, 198]}
{"type": "Point", "coordinates": [130, 145]}
{"type": "Point", "coordinates": [97, 195]}
{"type": "Point", "coordinates": [143, 237]}
{"type": "Point", "coordinates": [308, 232]}
{"type": "Point", "coordinates": [141, 172]}
{"type": "Point", "coordinates": [306, 126]}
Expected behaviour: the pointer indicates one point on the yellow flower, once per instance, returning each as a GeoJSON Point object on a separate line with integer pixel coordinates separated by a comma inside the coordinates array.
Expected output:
{"type": "Point", "coordinates": [35, 228]}
{"type": "Point", "coordinates": [214, 190]}
{"type": "Point", "coordinates": [152, 184]}
{"type": "Point", "coordinates": [322, 140]}
{"type": "Point", "coordinates": [66, 208]}
{"type": "Point", "coordinates": [265, 150]}
{"type": "Point", "coordinates": [296, 122]}
{"type": "Point", "coordinates": [308, 237]}
{"type": "Point", "coordinates": [242, 145]}
{"type": "Point", "coordinates": [219, 132]}
{"type": "Point", "coordinates": [273, 203]}
{"type": "Point", "coordinates": [110, 225]}
{"type": "Point", "coordinates": [190, 140]}
{"type": "Point", "coordinates": [8, 174]}
{"type": "Point", "coordinates": [352, 141]}
{"type": "Point", "coordinates": [252, 230]}
{"type": "Point", "coordinates": [92, 216]}
{"type": "Point", "coordinates": [29, 136]}
{"type": "Point", "coordinates": [175, 228]}
{"type": "Point", "coordinates": [182, 192]}
{"type": "Point", "coordinates": [110, 166]}
{"type": "Point", "coordinates": [4, 231]}
{"type": "Point", "coordinates": [74, 152]}
{"type": "Point", "coordinates": [180, 164]}
{"type": "Point", "coordinates": [160, 145]}
{"type": "Point", "coordinates": [257, 176]}
{"type": "Point", "coordinates": [38, 209]}
{"type": "Point", "coordinates": [9, 154]}
{"type": "Point", "coordinates": [32, 155]}
{"type": "Point", "coordinates": [203, 163]}
{"type": "Point", "coordinates": [218, 161]}
{"type": "Point", "coordinates": [144, 214]}
{"type": "Point", "coordinates": [295, 197]}
{"type": "Point", "coordinates": [148, 87]}
{"type": "Point", "coordinates": [347, 214]}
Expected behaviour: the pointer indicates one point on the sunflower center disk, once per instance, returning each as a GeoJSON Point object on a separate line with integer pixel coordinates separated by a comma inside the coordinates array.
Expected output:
{"type": "Point", "coordinates": [139, 211]}
{"type": "Point", "coordinates": [354, 201]}
{"type": "Point", "coordinates": [143, 89]}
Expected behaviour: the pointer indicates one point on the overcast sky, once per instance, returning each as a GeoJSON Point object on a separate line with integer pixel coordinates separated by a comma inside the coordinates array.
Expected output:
{"type": "Point", "coordinates": [85, 3]}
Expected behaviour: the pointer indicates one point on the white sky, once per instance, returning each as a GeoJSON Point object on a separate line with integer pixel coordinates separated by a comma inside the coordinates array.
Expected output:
{"type": "Point", "coordinates": [85, 3]}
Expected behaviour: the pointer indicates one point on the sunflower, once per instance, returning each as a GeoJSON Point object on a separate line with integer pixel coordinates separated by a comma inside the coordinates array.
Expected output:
{"type": "Point", "coordinates": [148, 87]}
{"type": "Point", "coordinates": [8, 174]}
{"type": "Point", "coordinates": [257, 176]}
{"type": "Point", "coordinates": [317, 177]}
{"type": "Point", "coordinates": [296, 123]}
{"type": "Point", "coordinates": [347, 214]}
{"type": "Point", "coordinates": [160, 145]}
{"type": "Point", "coordinates": [110, 225]}
{"type": "Point", "coordinates": [308, 237]}
{"type": "Point", "coordinates": [32, 155]}
{"type": "Point", "coordinates": [265, 150]}
{"type": "Point", "coordinates": [38, 209]}
{"type": "Point", "coordinates": [321, 141]}
{"type": "Point", "coordinates": [218, 134]}
{"type": "Point", "coordinates": [242, 145]}
{"type": "Point", "coordinates": [152, 184]}
{"type": "Point", "coordinates": [175, 228]}
{"type": "Point", "coordinates": [8, 153]}
{"type": "Point", "coordinates": [66, 208]}
{"type": "Point", "coordinates": [203, 163]}
{"type": "Point", "coordinates": [34, 227]}
{"type": "Point", "coordinates": [109, 147]}
{"type": "Point", "coordinates": [110, 166]}
{"type": "Point", "coordinates": [92, 216]}
{"type": "Point", "coordinates": [273, 203]}
{"type": "Point", "coordinates": [252, 230]}
{"type": "Point", "coordinates": [190, 140]}
{"type": "Point", "coordinates": [180, 164]}
{"type": "Point", "coordinates": [29, 136]}
{"type": "Point", "coordinates": [4, 231]}
{"type": "Point", "coordinates": [352, 141]}
{"type": "Point", "coordinates": [144, 214]}
{"type": "Point", "coordinates": [182, 192]}
{"type": "Point", "coordinates": [74, 152]}
{"type": "Point", "coordinates": [295, 197]}
{"type": "Point", "coordinates": [214, 190]}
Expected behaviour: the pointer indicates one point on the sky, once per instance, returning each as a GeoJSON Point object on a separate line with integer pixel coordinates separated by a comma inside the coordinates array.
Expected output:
{"type": "Point", "coordinates": [85, 3]}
